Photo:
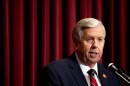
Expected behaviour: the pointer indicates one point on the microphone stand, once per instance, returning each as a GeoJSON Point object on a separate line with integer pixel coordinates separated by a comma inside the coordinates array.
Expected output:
{"type": "Point", "coordinates": [117, 71]}
{"type": "Point", "coordinates": [123, 76]}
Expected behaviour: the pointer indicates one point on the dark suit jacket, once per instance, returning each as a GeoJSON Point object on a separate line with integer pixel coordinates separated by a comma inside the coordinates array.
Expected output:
{"type": "Point", "coordinates": [67, 72]}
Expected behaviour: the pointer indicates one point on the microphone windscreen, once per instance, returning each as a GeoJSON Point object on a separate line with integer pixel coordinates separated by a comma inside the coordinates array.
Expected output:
{"type": "Point", "coordinates": [111, 66]}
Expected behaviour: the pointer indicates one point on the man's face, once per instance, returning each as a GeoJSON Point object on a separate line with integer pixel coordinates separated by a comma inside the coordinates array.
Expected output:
{"type": "Point", "coordinates": [90, 47]}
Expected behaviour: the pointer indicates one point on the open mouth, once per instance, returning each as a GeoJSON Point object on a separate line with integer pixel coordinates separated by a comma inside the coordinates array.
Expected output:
{"type": "Point", "coordinates": [93, 52]}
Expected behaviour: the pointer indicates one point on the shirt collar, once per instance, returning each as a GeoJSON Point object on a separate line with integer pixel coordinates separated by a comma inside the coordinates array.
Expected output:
{"type": "Point", "coordinates": [85, 68]}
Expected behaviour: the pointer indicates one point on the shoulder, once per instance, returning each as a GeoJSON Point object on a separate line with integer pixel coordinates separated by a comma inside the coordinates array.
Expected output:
{"type": "Point", "coordinates": [52, 72]}
{"type": "Point", "coordinates": [58, 65]}
{"type": "Point", "coordinates": [62, 64]}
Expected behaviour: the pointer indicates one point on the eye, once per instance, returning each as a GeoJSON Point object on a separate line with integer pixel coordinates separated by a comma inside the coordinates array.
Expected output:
{"type": "Point", "coordinates": [100, 39]}
{"type": "Point", "coordinates": [89, 39]}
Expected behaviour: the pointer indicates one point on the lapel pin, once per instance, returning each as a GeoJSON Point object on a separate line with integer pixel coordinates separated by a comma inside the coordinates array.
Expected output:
{"type": "Point", "coordinates": [104, 75]}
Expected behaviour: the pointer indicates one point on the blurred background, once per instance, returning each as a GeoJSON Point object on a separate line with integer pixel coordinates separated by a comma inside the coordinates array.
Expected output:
{"type": "Point", "coordinates": [34, 33]}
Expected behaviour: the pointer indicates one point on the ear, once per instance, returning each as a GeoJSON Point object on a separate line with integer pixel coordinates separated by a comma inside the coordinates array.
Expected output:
{"type": "Point", "coordinates": [76, 45]}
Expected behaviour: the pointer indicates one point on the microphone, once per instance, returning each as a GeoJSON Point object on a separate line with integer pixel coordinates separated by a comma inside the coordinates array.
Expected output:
{"type": "Point", "coordinates": [118, 72]}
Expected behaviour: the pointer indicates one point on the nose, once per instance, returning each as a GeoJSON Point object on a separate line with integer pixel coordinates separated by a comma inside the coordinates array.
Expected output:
{"type": "Point", "coordinates": [95, 44]}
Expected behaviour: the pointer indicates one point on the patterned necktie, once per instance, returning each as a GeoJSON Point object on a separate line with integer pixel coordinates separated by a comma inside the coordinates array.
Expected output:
{"type": "Point", "coordinates": [93, 81]}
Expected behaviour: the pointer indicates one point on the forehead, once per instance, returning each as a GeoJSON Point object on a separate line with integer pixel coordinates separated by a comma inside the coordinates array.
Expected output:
{"type": "Point", "coordinates": [94, 31]}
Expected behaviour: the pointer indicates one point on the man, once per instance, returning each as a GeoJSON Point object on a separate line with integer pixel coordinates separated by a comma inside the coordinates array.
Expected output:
{"type": "Point", "coordinates": [88, 37]}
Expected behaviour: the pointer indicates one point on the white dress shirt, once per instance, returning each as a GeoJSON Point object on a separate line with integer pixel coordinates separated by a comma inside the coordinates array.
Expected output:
{"type": "Point", "coordinates": [85, 69]}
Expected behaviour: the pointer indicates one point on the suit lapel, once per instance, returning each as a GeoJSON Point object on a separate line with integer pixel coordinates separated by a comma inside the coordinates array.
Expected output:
{"type": "Point", "coordinates": [79, 77]}
{"type": "Point", "coordinates": [76, 71]}
{"type": "Point", "coordinates": [103, 76]}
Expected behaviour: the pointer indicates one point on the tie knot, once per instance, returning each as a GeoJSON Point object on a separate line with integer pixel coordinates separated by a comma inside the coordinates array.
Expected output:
{"type": "Point", "coordinates": [92, 72]}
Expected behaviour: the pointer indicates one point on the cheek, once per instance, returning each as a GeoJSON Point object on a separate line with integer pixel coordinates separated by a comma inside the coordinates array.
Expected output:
{"type": "Point", "coordinates": [86, 48]}
{"type": "Point", "coordinates": [83, 47]}
{"type": "Point", "coordinates": [102, 46]}
{"type": "Point", "coordinates": [101, 49]}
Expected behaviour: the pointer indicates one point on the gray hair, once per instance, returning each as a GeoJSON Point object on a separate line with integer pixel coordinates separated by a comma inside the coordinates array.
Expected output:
{"type": "Point", "coordinates": [84, 24]}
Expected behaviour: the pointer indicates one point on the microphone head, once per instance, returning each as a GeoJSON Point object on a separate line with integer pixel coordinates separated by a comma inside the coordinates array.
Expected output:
{"type": "Point", "coordinates": [110, 66]}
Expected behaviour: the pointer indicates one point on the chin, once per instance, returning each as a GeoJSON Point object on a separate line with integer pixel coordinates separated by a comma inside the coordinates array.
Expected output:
{"type": "Point", "coordinates": [94, 61]}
